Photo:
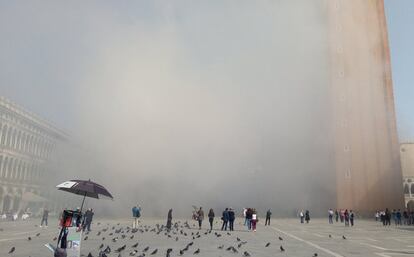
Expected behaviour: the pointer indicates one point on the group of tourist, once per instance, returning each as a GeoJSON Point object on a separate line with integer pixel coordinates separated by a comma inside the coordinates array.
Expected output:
{"type": "Point", "coordinates": [251, 219]}
{"type": "Point", "coordinates": [399, 217]}
{"type": "Point", "coordinates": [343, 215]}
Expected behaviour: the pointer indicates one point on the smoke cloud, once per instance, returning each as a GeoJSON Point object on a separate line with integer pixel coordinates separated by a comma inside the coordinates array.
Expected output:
{"type": "Point", "coordinates": [213, 104]}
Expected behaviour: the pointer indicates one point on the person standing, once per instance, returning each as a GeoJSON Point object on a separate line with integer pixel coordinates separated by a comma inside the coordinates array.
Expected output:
{"type": "Point", "coordinates": [244, 215]}
{"type": "Point", "coordinates": [169, 219]}
{"type": "Point", "coordinates": [249, 213]}
{"type": "Point", "coordinates": [302, 216]}
{"type": "Point", "coordinates": [136, 213]}
{"type": "Point", "coordinates": [346, 217]}
{"type": "Point", "coordinates": [254, 220]}
{"type": "Point", "coordinates": [341, 215]}
{"type": "Point", "coordinates": [45, 216]}
{"type": "Point", "coordinates": [307, 216]}
{"type": "Point", "coordinates": [225, 219]}
{"type": "Point", "coordinates": [330, 215]}
{"type": "Point", "coordinates": [351, 217]}
{"type": "Point", "coordinates": [232, 217]}
{"type": "Point", "coordinates": [200, 217]}
{"type": "Point", "coordinates": [88, 219]}
{"type": "Point", "coordinates": [268, 216]}
{"type": "Point", "coordinates": [336, 215]}
{"type": "Point", "coordinates": [398, 214]}
{"type": "Point", "coordinates": [387, 217]}
{"type": "Point", "coordinates": [211, 218]}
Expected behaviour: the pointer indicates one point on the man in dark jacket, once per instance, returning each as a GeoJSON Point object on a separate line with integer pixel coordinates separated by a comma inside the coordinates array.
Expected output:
{"type": "Point", "coordinates": [225, 219]}
{"type": "Point", "coordinates": [249, 214]}
{"type": "Point", "coordinates": [88, 219]}
{"type": "Point", "coordinates": [268, 215]}
{"type": "Point", "coordinates": [232, 217]}
{"type": "Point", "coordinates": [169, 220]}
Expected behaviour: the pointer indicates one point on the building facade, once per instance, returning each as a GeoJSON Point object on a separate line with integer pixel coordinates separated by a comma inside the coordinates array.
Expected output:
{"type": "Point", "coordinates": [407, 165]}
{"type": "Point", "coordinates": [26, 143]}
{"type": "Point", "coordinates": [367, 161]}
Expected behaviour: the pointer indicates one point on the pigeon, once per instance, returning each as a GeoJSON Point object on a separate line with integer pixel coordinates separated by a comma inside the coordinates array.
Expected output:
{"type": "Point", "coordinates": [29, 238]}
{"type": "Point", "coordinates": [100, 247]}
{"type": "Point", "coordinates": [154, 252]}
{"type": "Point", "coordinates": [282, 249]}
{"type": "Point", "coordinates": [120, 249]}
{"type": "Point", "coordinates": [330, 236]}
{"type": "Point", "coordinates": [12, 250]}
{"type": "Point", "coordinates": [246, 254]}
{"type": "Point", "coordinates": [86, 238]}
{"type": "Point", "coordinates": [181, 252]}
{"type": "Point", "coordinates": [343, 237]}
{"type": "Point", "coordinates": [315, 255]}
{"type": "Point", "coordinates": [267, 245]}
{"type": "Point", "coordinates": [220, 247]}
{"type": "Point", "coordinates": [102, 254]}
{"type": "Point", "coordinates": [55, 238]}
{"type": "Point", "coordinates": [107, 249]}
{"type": "Point", "coordinates": [145, 249]}
{"type": "Point", "coordinates": [89, 255]}
{"type": "Point", "coordinates": [197, 251]}
{"type": "Point", "coordinates": [281, 239]}
{"type": "Point", "coordinates": [38, 234]}
{"type": "Point", "coordinates": [169, 250]}
{"type": "Point", "coordinates": [134, 245]}
{"type": "Point", "coordinates": [238, 239]}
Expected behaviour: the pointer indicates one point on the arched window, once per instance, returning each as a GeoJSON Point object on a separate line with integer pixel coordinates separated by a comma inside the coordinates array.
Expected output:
{"type": "Point", "coordinates": [19, 171]}
{"type": "Point", "coordinates": [23, 144]}
{"type": "Point", "coordinates": [406, 189]}
{"type": "Point", "coordinates": [9, 172]}
{"type": "Point", "coordinates": [4, 168]}
{"type": "Point", "coordinates": [9, 135]}
{"type": "Point", "coordinates": [3, 135]}
{"type": "Point", "coordinates": [23, 171]}
{"type": "Point", "coordinates": [19, 140]}
{"type": "Point", "coordinates": [26, 144]}
{"type": "Point", "coordinates": [16, 169]}
{"type": "Point", "coordinates": [13, 141]}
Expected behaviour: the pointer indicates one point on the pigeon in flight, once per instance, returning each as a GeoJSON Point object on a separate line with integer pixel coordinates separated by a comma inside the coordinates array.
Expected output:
{"type": "Point", "coordinates": [12, 250]}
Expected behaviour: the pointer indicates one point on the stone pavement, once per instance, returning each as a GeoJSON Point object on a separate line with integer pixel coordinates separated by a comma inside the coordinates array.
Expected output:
{"type": "Point", "coordinates": [366, 238]}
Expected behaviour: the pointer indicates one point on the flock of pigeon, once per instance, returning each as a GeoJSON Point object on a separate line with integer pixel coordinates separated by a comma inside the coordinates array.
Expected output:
{"type": "Point", "coordinates": [121, 241]}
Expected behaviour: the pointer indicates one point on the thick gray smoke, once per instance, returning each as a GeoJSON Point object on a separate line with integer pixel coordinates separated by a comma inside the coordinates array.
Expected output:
{"type": "Point", "coordinates": [208, 103]}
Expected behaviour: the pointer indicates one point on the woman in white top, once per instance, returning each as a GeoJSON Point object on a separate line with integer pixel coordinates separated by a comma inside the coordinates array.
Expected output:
{"type": "Point", "coordinates": [254, 220]}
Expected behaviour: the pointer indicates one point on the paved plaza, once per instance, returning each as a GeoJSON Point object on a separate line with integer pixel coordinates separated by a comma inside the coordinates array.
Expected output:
{"type": "Point", "coordinates": [367, 238]}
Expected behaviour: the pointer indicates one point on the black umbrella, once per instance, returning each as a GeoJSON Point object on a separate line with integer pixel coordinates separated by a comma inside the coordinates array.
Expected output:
{"type": "Point", "coordinates": [87, 188]}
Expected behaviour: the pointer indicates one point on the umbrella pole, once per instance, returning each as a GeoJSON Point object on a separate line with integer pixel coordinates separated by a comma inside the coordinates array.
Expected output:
{"type": "Point", "coordinates": [83, 201]}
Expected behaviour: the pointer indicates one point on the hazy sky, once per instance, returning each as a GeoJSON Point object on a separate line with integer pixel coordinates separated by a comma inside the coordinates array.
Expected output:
{"type": "Point", "coordinates": [401, 32]}
{"type": "Point", "coordinates": [46, 51]}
